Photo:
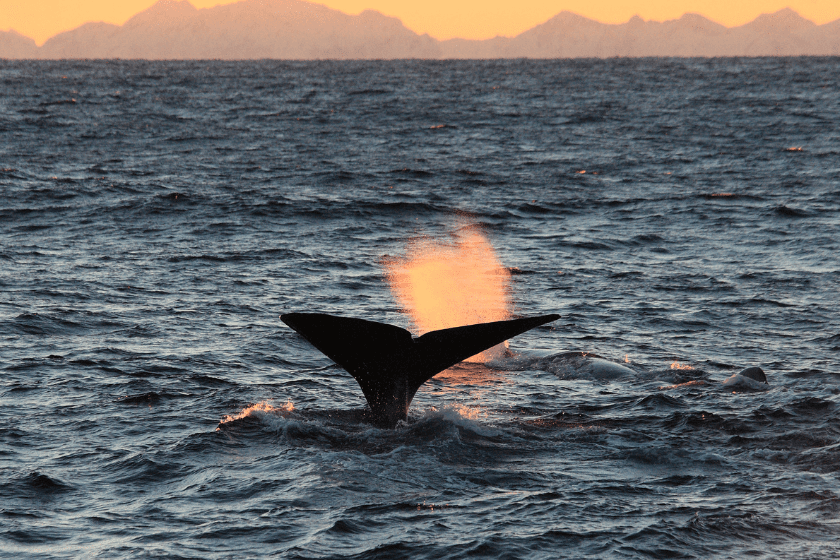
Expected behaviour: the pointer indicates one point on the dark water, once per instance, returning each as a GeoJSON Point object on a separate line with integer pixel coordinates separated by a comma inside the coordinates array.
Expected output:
{"type": "Point", "coordinates": [156, 218]}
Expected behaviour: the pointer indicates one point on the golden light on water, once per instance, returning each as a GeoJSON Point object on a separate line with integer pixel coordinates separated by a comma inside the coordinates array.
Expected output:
{"type": "Point", "coordinates": [467, 412]}
{"type": "Point", "coordinates": [470, 412]}
{"type": "Point", "coordinates": [259, 408]}
{"type": "Point", "coordinates": [450, 284]}
{"type": "Point", "coordinates": [677, 365]}
{"type": "Point", "coordinates": [681, 385]}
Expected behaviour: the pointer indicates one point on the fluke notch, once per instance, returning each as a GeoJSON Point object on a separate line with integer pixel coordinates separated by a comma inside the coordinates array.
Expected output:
{"type": "Point", "coordinates": [389, 364]}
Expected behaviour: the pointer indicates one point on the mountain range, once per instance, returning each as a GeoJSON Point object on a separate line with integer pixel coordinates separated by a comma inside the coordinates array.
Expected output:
{"type": "Point", "coordinates": [296, 29]}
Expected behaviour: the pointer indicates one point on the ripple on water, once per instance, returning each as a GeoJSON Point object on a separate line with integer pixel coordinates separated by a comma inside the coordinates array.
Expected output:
{"type": "Point", "coordinates": [154, 404]}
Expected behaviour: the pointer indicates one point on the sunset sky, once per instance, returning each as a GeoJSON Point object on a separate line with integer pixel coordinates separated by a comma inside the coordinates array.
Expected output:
{"type": "Point", "coordinates": [443, 19]}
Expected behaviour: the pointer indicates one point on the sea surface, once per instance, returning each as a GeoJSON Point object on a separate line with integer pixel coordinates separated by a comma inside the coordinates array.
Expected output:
{"type": "Point", "coordinates": [681, 215]}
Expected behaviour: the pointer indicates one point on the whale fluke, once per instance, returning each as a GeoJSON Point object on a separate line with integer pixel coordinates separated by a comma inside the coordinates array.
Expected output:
{"type": "Point", "coordinates": [389, 364]}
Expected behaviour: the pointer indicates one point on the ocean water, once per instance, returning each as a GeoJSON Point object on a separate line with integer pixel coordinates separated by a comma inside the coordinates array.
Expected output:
{"type": "Point", "coordinates": [683, 217]}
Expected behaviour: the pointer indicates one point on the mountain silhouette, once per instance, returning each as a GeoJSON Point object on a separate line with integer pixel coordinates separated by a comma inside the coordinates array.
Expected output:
{"type": "Point", "coordinates": [295, 29]}
{"type": "Point", "coordinates": [15, 45]}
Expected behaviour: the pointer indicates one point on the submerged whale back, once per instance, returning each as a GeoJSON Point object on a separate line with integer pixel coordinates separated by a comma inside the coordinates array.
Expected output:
{"type": "Point", "coordinates": [388, 363]}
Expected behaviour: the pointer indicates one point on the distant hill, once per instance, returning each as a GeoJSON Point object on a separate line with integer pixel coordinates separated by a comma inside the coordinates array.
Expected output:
{"type": "Point", "coordinates": [15, 45]}
{"type": "Point", "coordinates": [567, 35]}
{"type": "Point", "coordinates": [295, 29]}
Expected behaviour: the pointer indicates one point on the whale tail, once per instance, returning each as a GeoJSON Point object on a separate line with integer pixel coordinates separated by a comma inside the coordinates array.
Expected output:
{"type": "Point", "coordinates": [389, 364]}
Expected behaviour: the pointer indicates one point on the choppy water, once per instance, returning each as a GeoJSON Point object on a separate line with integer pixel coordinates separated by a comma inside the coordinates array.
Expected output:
{"type": "Point", "coordinates": [157, 218]}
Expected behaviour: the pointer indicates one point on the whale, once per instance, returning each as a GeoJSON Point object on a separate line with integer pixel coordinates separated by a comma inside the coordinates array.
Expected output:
{"type": "Point", "coordinates": [390, 364]}
{"type": "Point", "coordinates": [585, 363]}
{"type": "Point", "coordinates": [752, 378]}
{"type": "Point", "coordinates": [755, 373]}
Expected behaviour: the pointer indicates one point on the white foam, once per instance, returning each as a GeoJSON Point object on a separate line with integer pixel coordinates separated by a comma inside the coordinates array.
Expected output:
{"type": "Point", "coordinates": [462, 416]}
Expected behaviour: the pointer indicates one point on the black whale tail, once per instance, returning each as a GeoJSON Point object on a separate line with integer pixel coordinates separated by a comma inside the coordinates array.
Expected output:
{"type": "Point", "coordinates": [389, 364]}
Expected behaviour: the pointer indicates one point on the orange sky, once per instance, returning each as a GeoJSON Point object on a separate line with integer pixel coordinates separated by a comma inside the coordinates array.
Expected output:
{"type": "Point", "coordinates": [443, 19]}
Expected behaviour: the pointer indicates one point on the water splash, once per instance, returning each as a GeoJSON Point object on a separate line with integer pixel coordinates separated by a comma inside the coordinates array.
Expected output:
{"type": "Point", "coordinates": [449, 284]}
{"type": "Point", "coordinates": [259, 409]}
{"type": "Point", "coordinates": [468, 417]}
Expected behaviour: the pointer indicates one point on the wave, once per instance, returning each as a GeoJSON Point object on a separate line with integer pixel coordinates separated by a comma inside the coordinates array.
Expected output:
{"type": "Point", "coordinates": [151, 397]}
{"type": "Point", "coordinates": [350, 429]}
{"type": "Point", "coordinates": [788, 212]}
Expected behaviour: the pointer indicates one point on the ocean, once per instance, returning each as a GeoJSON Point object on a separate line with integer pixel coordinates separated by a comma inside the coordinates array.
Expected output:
{"type": "Point", "coordinates": [681, 215]}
